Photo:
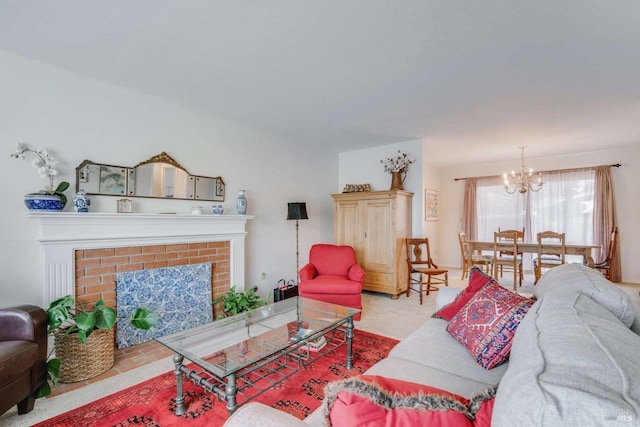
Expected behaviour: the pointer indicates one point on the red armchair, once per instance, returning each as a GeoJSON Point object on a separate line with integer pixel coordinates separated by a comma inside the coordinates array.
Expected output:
{"type": "Point", "coordinates": [332, 275]}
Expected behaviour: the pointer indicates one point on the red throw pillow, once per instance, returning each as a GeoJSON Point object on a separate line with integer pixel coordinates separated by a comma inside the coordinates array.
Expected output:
{"type": "Point", "coordinates": [381, 401]}
{"type": "Point", "coordinates": [483, 416]}
{"type": "Point", "coordinates": [481, 406]}
{"type": "Point", "coordinates": [373, 400]}
{"type": "Point", "coordinates": [477, 280]}
{"type": "Point", "coordinates": [487, 323]}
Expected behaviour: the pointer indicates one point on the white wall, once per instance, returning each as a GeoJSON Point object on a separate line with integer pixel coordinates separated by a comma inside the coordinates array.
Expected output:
{"type": "Point", "coordinates": [364, 167]}
{"type": "Point", "coordinates": [625, 180]}
{"type": "Point", "coordinates": [431, 180]}
{"type": "Point", "coordinates": [79, 118]}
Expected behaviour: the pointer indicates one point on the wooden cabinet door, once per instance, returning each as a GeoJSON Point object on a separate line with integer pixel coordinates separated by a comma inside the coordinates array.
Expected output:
{"type": "Point", "coordinates": [379, 254]}
{"type": "Point", "coordinates": [348, 225]}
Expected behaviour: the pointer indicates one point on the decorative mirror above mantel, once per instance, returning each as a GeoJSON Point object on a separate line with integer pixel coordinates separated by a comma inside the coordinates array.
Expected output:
{"type": "Point", "coordinates": [159, 177]}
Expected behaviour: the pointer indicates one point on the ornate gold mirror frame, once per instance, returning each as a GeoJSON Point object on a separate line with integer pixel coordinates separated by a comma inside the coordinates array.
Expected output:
{"type": "Point", "coordinates": [159, 177]}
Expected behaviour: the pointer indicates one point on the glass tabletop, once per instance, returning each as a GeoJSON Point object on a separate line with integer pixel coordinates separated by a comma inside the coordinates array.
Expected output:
{"type": "Point", "coordinates": [228, 345]}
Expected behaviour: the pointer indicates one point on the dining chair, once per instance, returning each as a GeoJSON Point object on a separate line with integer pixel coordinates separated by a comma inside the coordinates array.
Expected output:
{"type": "Point", "coordinates": [505, 254]}
{"type": "Point", "coordinates": [469, 258]}
{"type": "Point", "coordinates": [519, 238]}
{"type": "Point", "coordinates": [421, 265]}
{"type": "Point", "coordinates": [606, 266]}
{"type": "Point", "coordinates": [549, 258]}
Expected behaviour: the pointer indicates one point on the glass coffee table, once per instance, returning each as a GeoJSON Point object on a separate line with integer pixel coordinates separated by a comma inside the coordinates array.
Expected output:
{"type": "Point", "coordinates": [240, 357]}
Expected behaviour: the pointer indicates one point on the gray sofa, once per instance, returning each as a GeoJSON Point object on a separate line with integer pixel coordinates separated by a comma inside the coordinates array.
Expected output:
{"type": "Point", "coordinates": [575, 360]}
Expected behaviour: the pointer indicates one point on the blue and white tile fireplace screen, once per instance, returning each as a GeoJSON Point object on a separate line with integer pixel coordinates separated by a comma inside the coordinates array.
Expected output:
{"type": "Point", "coordinates": [180, 295]}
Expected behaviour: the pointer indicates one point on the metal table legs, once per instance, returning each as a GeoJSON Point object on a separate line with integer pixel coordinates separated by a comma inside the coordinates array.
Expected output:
{"type": "Point", "coordinates": [229, 391]}
{"type": "Point", "coordinates": [349, 333]}
{"type": "Point", "coordinates": [180, 407]}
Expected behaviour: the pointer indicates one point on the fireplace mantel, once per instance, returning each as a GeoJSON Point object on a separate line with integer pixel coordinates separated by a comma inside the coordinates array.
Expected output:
{"type": "Point", "coordinates": [62, 233]}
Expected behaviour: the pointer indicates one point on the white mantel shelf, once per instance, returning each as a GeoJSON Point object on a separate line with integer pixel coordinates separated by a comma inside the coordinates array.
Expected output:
{"type": "Point", "coordinates": [62, 233]}
{"type": "Point", "coordinates": [65, 226]}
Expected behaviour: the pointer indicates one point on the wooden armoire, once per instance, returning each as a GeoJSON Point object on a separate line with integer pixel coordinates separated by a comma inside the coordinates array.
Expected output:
{"type": "Point", "coordinates": [376, 224]}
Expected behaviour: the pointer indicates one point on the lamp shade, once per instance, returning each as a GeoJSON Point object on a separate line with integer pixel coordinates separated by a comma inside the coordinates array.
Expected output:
{"type": "Point", "coordinates": [297, 210]}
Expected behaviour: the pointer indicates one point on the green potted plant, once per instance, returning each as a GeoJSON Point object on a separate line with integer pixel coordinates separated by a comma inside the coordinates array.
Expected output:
{"type": "Point", "coordinates": [84, 339]}
{"type": "Point", "coordinates": [51, 197]}
{"type": "Point", "coordinates": [234, 302]}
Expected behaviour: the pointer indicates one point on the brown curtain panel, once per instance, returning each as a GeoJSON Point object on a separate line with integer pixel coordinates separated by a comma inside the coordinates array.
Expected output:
{"type": "Point", "coordinates": [604, 218]}
{"type": "Point", "coordinates": [469, 217]}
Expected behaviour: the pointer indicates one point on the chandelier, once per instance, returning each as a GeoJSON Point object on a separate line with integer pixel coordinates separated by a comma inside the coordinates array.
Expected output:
{"type": "Point", "coordinates": [524, 181]}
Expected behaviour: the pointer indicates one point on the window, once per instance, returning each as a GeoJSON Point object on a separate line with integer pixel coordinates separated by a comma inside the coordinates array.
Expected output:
{"type": "Point", "coordinates": [497, 208]}
{"type": "Point", "coordinates": [564, 204]}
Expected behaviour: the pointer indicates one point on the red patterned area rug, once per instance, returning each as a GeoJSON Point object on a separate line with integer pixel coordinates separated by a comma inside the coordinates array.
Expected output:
{"type": "Point", "coordinates": [152, 402]}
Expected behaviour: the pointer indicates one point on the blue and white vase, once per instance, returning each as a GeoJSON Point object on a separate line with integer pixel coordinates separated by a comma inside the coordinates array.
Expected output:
{"type": "Point", "coordinates": [241, 203]}
{"type": "Point", "coordinates": [81, 202]}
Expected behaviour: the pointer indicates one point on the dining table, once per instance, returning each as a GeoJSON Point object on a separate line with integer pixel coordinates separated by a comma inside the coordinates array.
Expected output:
{"type": "Point", "coordinates": [532, 247]}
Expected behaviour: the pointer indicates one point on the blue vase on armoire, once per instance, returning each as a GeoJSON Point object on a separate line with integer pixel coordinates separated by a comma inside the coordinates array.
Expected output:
{"type": "Point", "coordinates": [241, 203]}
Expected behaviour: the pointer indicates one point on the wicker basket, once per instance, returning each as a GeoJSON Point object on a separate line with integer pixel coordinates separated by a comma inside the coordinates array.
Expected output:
{"type": "Point", "coordinates": [80, 361]}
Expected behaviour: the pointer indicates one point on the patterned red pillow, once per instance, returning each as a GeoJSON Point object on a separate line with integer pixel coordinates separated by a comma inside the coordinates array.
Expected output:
{"type": "Point", "coordinates": [487, 323]}
{"type": "Point", "coordinates": [477, 280]}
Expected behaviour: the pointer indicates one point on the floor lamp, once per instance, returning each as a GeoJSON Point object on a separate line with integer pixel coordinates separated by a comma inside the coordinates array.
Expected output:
{"type": "Point", "coordinates": [297, 211]}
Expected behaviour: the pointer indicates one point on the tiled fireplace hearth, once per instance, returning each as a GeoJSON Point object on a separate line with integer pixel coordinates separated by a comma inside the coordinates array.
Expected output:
{"type": "Point", "coordinates": [83, 252]}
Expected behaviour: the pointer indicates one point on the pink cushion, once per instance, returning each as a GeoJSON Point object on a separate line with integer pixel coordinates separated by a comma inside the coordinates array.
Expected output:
{"type": "Point", "coordinates": [370, 400]}
{"type": "Point", "coordinates": [477, 280]}
{"type": "Point", "coordinates": [487, 323]}
{"type": "Point", "coordinates": [330, 284]}
{"type": "Point", "coordinates": [332, 259]}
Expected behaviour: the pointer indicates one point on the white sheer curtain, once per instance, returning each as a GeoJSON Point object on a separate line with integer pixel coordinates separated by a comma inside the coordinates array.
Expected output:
{"type": "Point", "coordinates": [565, 204]}
{"type": "Point", "coordinates": [497, 208]}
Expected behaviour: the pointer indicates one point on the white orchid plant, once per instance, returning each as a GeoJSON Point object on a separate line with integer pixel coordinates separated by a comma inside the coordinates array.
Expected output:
{"type": "Point", "coordinates": [400, 163]}
{"type": "Point", "coordinates": [44, 163]}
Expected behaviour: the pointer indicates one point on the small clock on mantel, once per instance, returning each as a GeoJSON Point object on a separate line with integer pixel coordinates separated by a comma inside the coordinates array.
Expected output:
{"type": "Point", "coordinates": [124, 205]}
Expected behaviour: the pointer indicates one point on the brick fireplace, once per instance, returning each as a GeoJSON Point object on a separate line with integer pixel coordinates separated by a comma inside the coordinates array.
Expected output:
{"type": "Point", "coordinates": [83, 252]}
{"type": "Point", "coordinates": [96, 269]}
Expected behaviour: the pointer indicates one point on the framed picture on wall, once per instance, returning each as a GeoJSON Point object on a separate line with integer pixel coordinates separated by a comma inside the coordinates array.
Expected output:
{"type": "Point", "coordinates": [431, 205]}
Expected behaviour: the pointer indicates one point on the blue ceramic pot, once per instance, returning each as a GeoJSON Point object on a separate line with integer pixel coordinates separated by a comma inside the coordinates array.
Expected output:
{"type": "Point", "coordinates": [43, 202]}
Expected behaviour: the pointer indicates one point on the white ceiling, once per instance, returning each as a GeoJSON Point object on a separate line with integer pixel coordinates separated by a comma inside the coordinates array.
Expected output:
{"type": "Point", "coordinates": [475, 79]}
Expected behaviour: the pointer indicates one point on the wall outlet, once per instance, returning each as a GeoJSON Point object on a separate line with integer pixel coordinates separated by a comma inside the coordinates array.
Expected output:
{"type": "Point", "coordinates": [264, 276]}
